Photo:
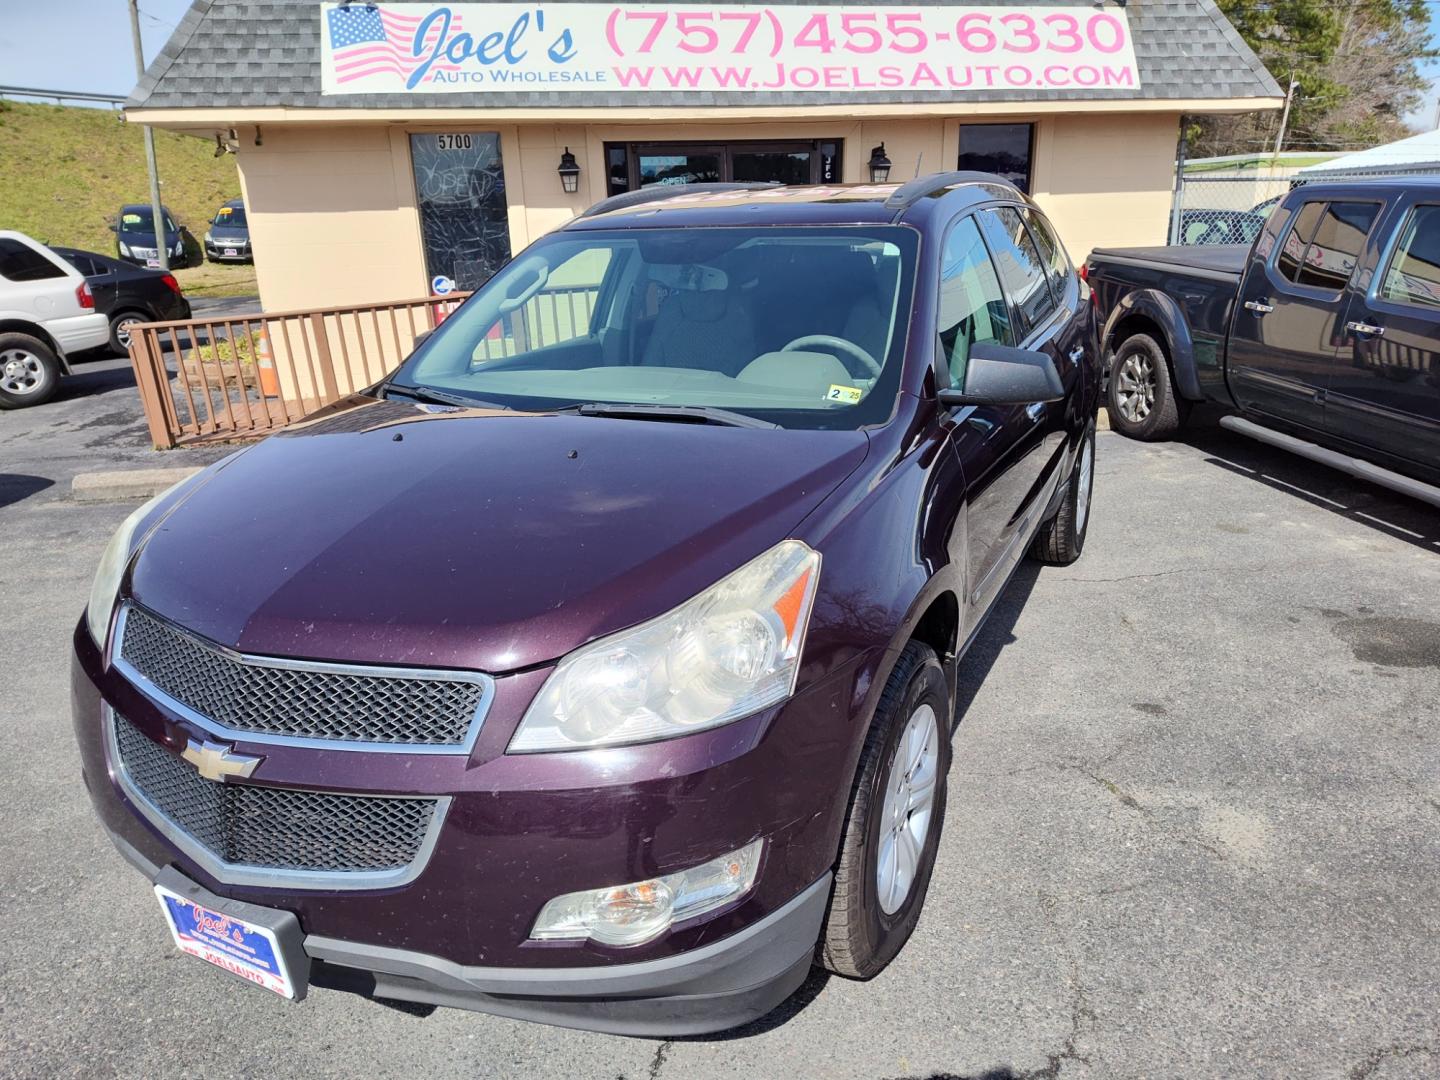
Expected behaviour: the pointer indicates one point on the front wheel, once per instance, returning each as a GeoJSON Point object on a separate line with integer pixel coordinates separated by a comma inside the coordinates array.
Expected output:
{"type": "Point", "coordinates": [892, 829]}
{"type": "Point", "coordinates": [1141, 396]}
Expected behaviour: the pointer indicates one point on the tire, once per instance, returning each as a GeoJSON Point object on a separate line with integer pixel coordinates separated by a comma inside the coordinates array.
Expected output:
{"type": "Point", "coordinates": [119, 320]}
{"type": "Point", "coordinates": [860, 936]}
{"type": "Point", "coordinates": [1141, 393]}
{"type": "Point", "coordinates": [1061, 539]}
{"type": "Point", "coordinates": [29, 371]}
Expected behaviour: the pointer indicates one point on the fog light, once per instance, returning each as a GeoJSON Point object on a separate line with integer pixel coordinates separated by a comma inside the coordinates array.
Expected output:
{"type": "Point", "coordinates": [638, 912]}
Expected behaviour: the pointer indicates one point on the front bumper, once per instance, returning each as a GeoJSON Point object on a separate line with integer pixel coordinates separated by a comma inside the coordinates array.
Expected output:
{"type": "Point", "coordinates": [523, 829]}
{"type": "Point", "coordinates": [215, 250]}
{"type": "Point", "coordinates": [720, 986]}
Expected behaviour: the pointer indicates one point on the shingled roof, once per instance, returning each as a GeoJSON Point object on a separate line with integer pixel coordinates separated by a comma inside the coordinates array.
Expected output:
{"type": "Point", "coordinates": [257, 53]}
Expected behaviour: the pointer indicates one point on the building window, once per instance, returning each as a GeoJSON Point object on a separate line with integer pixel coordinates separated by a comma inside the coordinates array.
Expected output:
{"type": "Point", "coordinates": [639, 165]}
{"type": "Point", "coordinates": [1002, 149]}
{"type": "Point", "coordinates": [460, 189]}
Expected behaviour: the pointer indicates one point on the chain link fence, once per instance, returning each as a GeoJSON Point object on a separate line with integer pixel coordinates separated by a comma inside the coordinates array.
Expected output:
{"type": "Point", "coordinates": [1224, 209]}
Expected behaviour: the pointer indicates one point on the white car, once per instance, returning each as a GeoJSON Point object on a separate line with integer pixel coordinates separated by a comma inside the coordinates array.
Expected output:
{"type": "Point", "coordinates": [46, 312]}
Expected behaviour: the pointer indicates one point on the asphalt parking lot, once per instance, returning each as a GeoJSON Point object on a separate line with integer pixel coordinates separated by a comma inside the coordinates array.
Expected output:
{"type": "Point", "coordinates": [1193, 829]}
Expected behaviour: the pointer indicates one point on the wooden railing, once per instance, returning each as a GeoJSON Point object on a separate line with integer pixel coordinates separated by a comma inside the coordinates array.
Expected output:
{"type": "Point", "coordinates": [240, 376]}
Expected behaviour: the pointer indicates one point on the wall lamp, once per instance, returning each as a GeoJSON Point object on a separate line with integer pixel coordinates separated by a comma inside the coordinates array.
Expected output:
{"type": "Point", "coordinates": [569, 172]}
{"type": "Point", "coordinates": [879, 165]}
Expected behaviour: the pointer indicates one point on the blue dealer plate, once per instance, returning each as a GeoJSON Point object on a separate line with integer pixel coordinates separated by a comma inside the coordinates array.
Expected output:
{"type": "Point", "coordinates": [227, 942]}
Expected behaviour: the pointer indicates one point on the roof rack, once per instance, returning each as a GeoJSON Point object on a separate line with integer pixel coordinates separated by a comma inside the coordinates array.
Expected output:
{"type": "Point", "coordinates": [658, 192]}
{"type": "Point", "coordinates": [923, 187]}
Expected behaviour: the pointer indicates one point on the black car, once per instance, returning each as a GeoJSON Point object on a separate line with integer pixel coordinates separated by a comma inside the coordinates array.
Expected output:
{"type": "Point", "coordinates": [135, 237]}
{"type": "Point", "coordinates": [127, 294]}
{"type": "Point", "coordinates": [228, 239]}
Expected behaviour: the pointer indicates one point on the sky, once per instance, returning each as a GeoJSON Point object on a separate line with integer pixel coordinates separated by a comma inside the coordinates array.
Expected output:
{"type": "Point", "coordinates": [85, 45]}
{"type": "Point", "coordinates": [80, 44]}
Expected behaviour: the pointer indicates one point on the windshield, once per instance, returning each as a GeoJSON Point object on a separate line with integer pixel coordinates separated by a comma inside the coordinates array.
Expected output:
{"type": "Point", "coordinates": [801, 327]}
{"type": "Point", "coordinates": [142, 219]}
{"type": "Point", "coordinates": [231, 216]}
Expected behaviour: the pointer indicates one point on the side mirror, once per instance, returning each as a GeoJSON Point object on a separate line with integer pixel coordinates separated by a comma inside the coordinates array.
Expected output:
{"type": "Point", "coordinates": [1005, 375]}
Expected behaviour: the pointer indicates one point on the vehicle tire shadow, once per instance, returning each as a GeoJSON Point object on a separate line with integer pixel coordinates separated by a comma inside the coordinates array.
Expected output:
{"type": "Point", "coordinates": [994, 635]}
{"type": "Point", "coordinates": [1367, 504]}
{"type": "Point", "coordinates": [17, 487]}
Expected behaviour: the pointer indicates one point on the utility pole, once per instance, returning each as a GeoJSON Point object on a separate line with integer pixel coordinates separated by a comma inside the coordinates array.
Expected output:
{"type": "Point", "coordinates": [162, 249]}
{"type": "Point", "coordinates": [1285, 116]}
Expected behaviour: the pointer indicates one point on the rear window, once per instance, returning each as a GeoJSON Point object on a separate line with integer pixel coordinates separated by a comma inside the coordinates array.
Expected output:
{"type": "Point", "coordinates": [21, 262]}
{"type": "Point", "coordinates": [1056, 261]}
{"type": "Point", "coordinates": [1414, 274]}
{"type": "Point", "coordinates": [1021, 268]}
{"type": "Point", "coordinates": [1325, 243]}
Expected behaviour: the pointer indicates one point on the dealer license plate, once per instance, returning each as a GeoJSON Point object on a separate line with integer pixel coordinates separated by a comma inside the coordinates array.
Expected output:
{"type": "Point", "coordinates": [153, 264]}
{"type": "Point", "coordinates": [231, 251]}
{"type": "Point", "coordinates": [242, 948]}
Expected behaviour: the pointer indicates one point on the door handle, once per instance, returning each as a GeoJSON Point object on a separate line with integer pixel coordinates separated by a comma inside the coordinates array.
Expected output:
{"type": "Point", "coordinates": [1259, 307]}
{"type": "Point", "coordinates": [1368, 329]}
{"type": "Point", "coordinates": [1035, 410]}
{"type": "Point", "coordinates": [1077, 354]}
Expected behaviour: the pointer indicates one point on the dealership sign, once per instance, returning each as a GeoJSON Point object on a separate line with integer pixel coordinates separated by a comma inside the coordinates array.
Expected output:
{"type": "Point", "coordinates": [468, 48]}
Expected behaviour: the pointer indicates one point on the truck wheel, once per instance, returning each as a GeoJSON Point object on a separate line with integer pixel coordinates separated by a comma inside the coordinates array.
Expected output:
{"type": "Point", "coordinates": [1141, 396]}
{"type": "Point", "coordinates": [29, 371]}
{"type": "Point", "coordinates": [1061, 539]}
{"type": "Point", "coordinates": [892, 829]}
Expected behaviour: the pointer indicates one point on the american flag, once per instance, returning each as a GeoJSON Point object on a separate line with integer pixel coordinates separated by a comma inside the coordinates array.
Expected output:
{"type": "Point", "coordinates": [367, 40]}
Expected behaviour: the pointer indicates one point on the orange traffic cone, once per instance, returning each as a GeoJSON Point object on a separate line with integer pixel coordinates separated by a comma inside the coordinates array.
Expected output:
{"type": "Point", "coordinates": [265, 364]}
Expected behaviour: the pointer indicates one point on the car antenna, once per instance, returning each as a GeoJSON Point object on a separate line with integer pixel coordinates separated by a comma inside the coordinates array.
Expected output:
{"type": "Point", "coordinates": [918, 159]}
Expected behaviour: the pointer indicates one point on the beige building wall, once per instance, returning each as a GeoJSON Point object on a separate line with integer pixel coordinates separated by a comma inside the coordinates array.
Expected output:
{"type": "Point", "coordinates": [1107, 181]}
{"type": "Point", "coordinates": [334, 220]}
{"type": "Point", "coordinates": [332, 215]}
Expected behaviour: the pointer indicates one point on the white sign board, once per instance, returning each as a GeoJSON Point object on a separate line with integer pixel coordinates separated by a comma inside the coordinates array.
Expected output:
{"type": "Point", "coordinates": [853, 50]}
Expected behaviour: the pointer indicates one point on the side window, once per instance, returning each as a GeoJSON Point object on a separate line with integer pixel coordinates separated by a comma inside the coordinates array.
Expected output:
{"type": "Point", "coordinates": [1414, 273]}
{"type": "Point", "coordinates": [21, 262]}
{"type": "Point", "coordinates": [1292, 251]}
{"type": "Point", "coordinates": [561, 310]}
{"type": "Point", "coordinates": [1053, 252]}
{"type": "Point", "coordinates": [1021, 269]}
{"type": "Point", "coordinates": [972, 305]}
{"type": "Point", "coordinates": [84, 264]}
{"type": "Point", "coordinates": [1336, 246]}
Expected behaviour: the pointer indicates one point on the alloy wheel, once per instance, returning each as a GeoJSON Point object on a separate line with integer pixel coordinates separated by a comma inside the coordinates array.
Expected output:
{"type": "Point", "coordinates": [21, 372]}
{"type": "Point", "coordinates": [122, 331]}
{"type": "Point", "coordinates": [1087, 478]}
{"type": "Point", "coordinates": [1135, 387]}
{"type": "Point", "coordinates": [909, 802]}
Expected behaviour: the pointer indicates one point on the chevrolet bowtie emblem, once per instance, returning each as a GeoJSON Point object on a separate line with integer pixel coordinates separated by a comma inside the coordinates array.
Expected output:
{"type": "Point", "coordinates": [218, 761]}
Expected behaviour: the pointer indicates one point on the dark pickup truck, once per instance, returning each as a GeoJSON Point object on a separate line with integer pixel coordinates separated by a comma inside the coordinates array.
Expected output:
{"type": "Point", "coordinates": [1322, 338]}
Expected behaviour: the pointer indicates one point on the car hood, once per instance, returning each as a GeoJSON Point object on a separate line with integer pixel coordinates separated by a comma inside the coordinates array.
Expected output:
{"type": "Point", "coordinates": [146, 238]}
{"type": "Point", "coordinates": [230, 232]}
{"type": "Point", "coordinates": [384, 533]}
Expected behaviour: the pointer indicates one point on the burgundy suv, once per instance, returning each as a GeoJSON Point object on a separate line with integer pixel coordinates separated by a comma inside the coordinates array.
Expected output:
{"type": "Point", "coordinates": [598, 667]}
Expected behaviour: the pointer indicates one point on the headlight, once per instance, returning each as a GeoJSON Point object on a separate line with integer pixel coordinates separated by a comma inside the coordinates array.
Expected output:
{"type": "Point", "coordinates": [209, 239]}
{"type": "Point", "coordinates": [124, 249]}
{"type": "Point", "coordinates": [636, 913]}
{"type": "Point", "coordinates": [728, 653]}
{"type": "Point", "coordinates": [112, 568]}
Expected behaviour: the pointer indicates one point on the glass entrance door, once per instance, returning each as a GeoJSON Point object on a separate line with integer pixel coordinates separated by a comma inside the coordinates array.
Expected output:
{"type": "Point", "coordinates": [460, 189]}
{"type": "Point", "coordinates": [632, 166]}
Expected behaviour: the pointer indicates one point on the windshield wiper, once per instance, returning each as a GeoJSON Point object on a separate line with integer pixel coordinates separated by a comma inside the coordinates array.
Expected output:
{"type": "Point", "coordinates": [439, 397]}
{"type": "Point", "coordinates": [703, 414]}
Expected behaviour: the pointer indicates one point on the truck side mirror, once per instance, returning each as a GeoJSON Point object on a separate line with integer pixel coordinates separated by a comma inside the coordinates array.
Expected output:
{"type": "Point", "coordinates": [1005, 375]}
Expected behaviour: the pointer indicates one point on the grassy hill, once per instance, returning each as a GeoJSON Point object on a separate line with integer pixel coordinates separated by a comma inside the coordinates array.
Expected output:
{"type": "Point", "coordinates": [64, 172]}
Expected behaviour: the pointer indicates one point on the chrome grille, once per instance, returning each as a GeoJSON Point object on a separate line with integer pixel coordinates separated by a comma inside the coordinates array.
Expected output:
{"type": "Point", "coordinates": [273, 829]}
{"type": "Point", "coordinates": [300, 700]}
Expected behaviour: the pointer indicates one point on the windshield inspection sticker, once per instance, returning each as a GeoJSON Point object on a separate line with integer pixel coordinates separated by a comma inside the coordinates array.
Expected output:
{"type": "Point", "coordinates": [848, 394]}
